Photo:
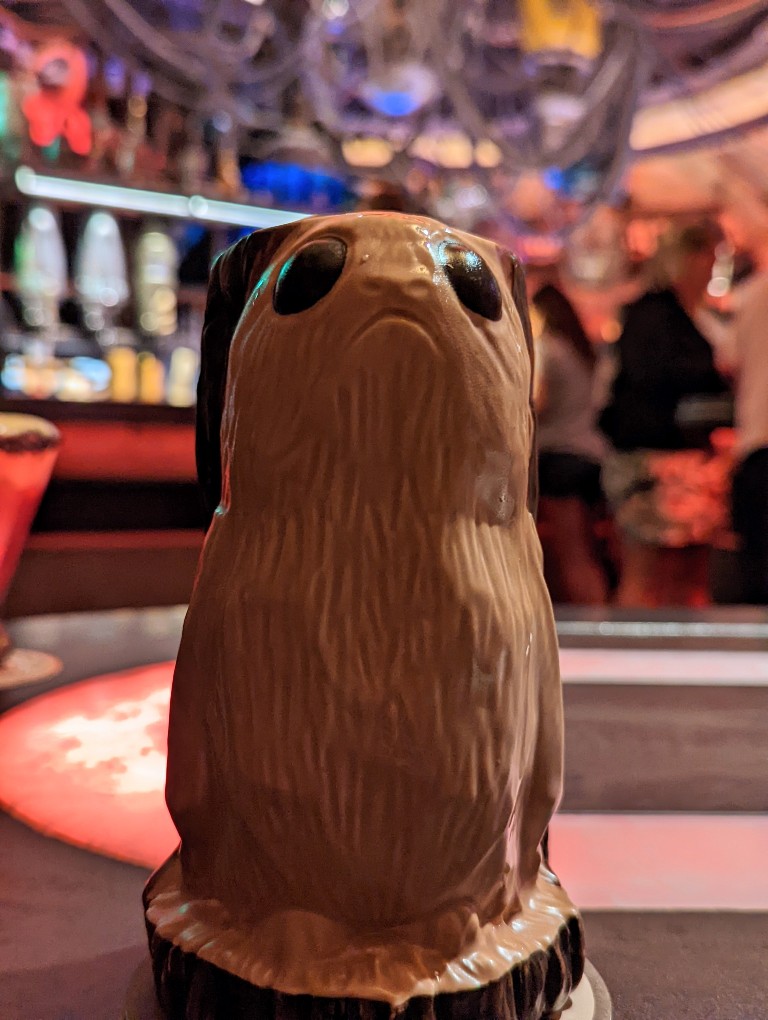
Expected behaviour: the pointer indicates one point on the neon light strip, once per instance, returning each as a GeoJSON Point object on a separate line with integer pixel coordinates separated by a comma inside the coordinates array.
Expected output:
{"type": "Point", "coordinates": [649, 630]}
{"type": "Point", "coordinates": [157, 203]}
{"type": "Point", "coordinates": [687, 861]}
{"type": "Point", "coordinates": [670, 667]}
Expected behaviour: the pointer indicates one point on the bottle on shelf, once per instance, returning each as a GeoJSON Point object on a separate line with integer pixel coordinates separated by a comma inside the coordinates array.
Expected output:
{"type": "Point", "coordinates": [101, 276]}
{"type": "Point", "coordinates": [156, 283]}
{"type": "Point", "coordinates": [41, 272]}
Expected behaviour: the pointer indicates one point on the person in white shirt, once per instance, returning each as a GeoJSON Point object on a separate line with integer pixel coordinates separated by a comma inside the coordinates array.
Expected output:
{"type": "Point", "coordinates": [570, 451]}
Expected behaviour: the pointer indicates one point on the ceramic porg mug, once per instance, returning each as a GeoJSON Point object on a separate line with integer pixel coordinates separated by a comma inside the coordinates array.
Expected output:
{"type": "Point", "coordinates": [366, 718]}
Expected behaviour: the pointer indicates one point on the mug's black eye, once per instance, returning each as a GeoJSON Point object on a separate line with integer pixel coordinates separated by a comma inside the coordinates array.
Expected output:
{"type": "Point", "coordinates": [470, 277]}
{"type": "Point", "coordinates": [308, 275]}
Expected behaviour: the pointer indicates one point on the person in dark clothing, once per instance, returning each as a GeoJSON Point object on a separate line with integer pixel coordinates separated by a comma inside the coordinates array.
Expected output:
{"type": "Point", "coordinates": [750, 523]}
{"type": "Point", "coordinates": [668, 487]}
{"type": "Point", "coordinates": [749, 504]}
{"type": "Point", "coordinates": [663, 358]}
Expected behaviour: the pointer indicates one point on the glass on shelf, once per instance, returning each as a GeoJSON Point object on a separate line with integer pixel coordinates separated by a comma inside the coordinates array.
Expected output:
{"type": "Point", "coordinates": [28, 450]}
{"type": "Point", "coordinates": [101, 276]}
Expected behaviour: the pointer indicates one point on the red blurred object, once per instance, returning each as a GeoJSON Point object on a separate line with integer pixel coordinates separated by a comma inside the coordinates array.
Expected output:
{"type": "Point", "coordinates": [28, 449]}
{"type": "Point", "coordinates": [56, 110]}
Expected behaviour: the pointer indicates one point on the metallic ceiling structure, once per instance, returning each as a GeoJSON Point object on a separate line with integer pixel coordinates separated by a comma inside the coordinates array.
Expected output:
{"type": "Point", "coordinates": [524, 112]}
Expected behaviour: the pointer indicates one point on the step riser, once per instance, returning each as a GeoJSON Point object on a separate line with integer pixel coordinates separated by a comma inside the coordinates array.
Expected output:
{"type": "Point", "coordinates": [665, 748]}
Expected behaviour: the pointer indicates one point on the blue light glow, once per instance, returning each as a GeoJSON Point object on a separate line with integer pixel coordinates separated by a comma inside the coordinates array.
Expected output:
{"type": "Point", "coordinates": [97, 372]}
{"type": "Point", "coordinates": [575, 181]}
{"type": "Point", "coordinates": [554, 178]}
{"type": "Point", "coordinates": [393, 104]}
{"type": "Point", "coordinates": [291, 184]}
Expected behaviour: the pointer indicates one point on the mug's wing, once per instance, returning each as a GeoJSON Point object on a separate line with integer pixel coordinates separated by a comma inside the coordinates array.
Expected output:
{"type": "Point", "coordinates": [516, 281]}
{"type": "Point", "coordinates": [234, 275]}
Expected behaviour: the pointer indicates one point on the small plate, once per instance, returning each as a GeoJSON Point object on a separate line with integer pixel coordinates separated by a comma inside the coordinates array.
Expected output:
{"type": "Point", "coordinates": [23, 666]}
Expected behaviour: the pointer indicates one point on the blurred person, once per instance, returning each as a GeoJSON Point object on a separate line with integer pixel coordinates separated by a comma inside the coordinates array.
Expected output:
{"type": "Point", "coordinates": [570, 451]}
{"type": "Point", "coordinates": [381, 196]}
{"type": "Point", "coordinates": [667, 485]}
{"type": "Point", "coordinates": [749, 498]}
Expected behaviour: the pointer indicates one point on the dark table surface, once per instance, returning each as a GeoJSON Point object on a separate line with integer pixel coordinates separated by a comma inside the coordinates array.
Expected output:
{"type": "Point", "coordinates": [71, 923]}
{"type": "Point", "coordinates": [97, 410]}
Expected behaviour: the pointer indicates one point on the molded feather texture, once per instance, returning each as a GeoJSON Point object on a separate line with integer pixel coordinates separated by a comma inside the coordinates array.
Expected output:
{"type": "Point", "coordinates": [366, 716]}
